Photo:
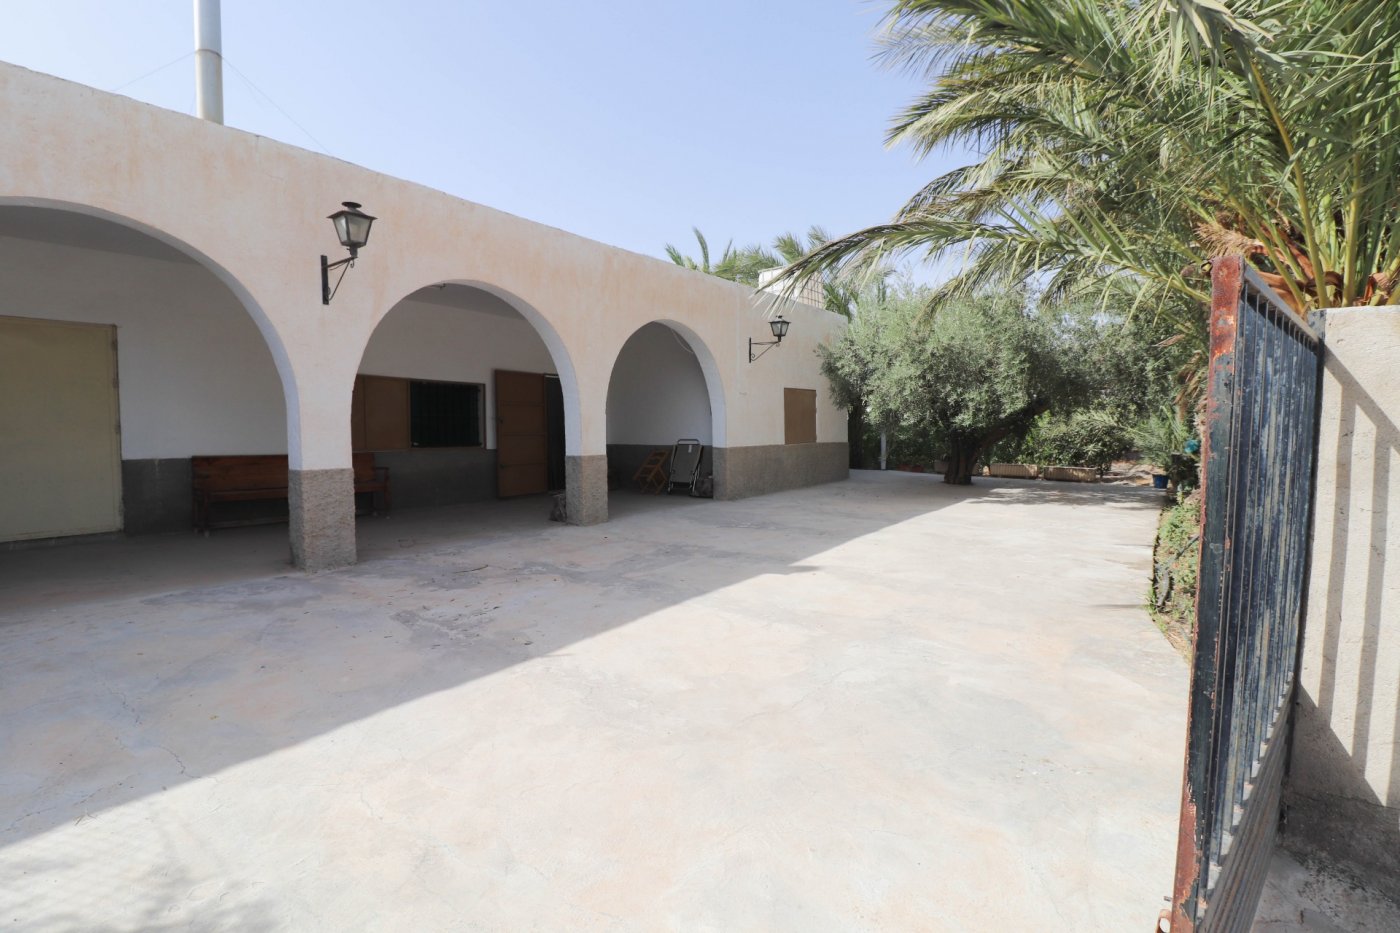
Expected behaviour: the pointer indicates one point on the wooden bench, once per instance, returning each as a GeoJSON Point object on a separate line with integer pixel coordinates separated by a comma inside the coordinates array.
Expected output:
{"type": "Point", "coordinates": [371, 479]}
{"type": "Point", "coordinates": [263, 477]}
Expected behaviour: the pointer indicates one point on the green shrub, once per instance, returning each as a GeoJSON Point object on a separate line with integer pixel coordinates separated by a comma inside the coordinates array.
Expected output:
{"type": "Point", "coordinates": [1087, 438]}
{"type": "Point", "coordinates": [1176, 560]}
{"type": "Point", "coordinates": [1161, 437]}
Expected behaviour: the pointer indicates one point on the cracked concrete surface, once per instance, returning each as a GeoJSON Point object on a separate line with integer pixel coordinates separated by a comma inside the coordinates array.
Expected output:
{"type": "Point", "coordinates": [879, 704]}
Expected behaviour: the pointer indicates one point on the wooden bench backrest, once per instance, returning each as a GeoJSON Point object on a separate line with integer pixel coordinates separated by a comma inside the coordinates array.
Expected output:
{"type": "Point", "coordinates": [364, 467]}
{"type": "Point", "coordinates": [259, 471]}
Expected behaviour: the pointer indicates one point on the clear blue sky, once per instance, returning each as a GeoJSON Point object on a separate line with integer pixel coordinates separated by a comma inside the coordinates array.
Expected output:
{"type": "Point", "coordinates": [622, 120]}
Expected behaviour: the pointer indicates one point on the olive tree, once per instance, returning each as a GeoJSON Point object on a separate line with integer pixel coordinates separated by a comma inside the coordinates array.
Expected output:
{"type": "Point", "coordinates": [978, 371]}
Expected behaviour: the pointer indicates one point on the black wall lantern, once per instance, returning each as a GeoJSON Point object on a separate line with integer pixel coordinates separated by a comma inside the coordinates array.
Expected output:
{"type": "Point", "coordinates": [779, 326]}
{"type": "Point", "coordinates": [352, 228]}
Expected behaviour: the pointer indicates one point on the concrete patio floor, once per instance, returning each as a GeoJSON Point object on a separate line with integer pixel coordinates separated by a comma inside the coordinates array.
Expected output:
{"type": "Point", "coordinates": [879, 704]}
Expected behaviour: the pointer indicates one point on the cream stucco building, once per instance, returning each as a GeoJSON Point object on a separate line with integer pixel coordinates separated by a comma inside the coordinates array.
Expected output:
{"type": "Point", "coordinates": [162, 301]}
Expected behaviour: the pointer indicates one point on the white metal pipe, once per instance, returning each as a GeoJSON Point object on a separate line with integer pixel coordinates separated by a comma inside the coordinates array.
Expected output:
{"type": "Point", "coordinates": [884, 448]}
{"type": "Point", "coordinates": [208, 61]}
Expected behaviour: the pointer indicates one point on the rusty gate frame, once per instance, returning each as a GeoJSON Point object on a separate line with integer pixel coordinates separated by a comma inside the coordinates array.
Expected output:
{"type": "Point", "coordinates": [1259, 462]}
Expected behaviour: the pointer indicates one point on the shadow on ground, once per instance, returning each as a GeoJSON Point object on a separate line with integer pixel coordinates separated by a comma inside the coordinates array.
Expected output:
{"type": "Point", "coordinates": [104, 636]}
{"type": "Point", "coordinates": [117, 682]}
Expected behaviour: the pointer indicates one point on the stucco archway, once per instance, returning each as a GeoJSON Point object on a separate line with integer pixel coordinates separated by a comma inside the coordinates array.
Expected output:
{"type": "Point", "coordinates": [435, 396]}
{"type": "Point", "coordinates": [199, 368]}
{"type": "Point", "coordinates": [664, 386]}
{"type": "Point", "coordinates": [245, 297]}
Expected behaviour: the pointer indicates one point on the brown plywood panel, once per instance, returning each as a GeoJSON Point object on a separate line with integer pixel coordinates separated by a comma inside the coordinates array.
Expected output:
{"type": "Point", "coordinates": [799, 416]}
{"type": "Point", "coordinates": [387, 424]}
{"type": "Point", "coordinates": [522, 434]}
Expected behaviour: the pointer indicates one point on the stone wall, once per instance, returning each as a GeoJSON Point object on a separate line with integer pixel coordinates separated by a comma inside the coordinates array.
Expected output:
{"type": "Point", "coordinates": [741, 472]}
{"type": "Point", "coordinates": [1343, 791]}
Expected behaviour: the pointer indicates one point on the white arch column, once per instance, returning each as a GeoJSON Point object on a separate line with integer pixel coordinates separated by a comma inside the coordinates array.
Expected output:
{"type": "Point", "coordinates": [324, 355]}
{"type": "Point", "coordinates": [321, 482]}
{"type": "Point", "coordinates": [586, 450]}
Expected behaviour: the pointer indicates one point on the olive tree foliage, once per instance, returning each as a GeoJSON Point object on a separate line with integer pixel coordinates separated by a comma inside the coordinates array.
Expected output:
{"type": "Point", "coordinates": [1136, 365]}
{"type": "Point", "coordinates": [978, 372]}
{"type": "Point", "coordinates": [1003, 376]}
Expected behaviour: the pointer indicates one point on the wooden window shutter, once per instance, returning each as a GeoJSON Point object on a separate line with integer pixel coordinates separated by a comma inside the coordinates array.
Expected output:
{"type": "Point", "coordinates": [799, 416]}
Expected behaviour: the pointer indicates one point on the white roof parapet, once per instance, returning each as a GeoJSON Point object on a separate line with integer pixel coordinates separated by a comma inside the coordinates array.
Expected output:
{"type": "Point", "coordinates": [808, 292]}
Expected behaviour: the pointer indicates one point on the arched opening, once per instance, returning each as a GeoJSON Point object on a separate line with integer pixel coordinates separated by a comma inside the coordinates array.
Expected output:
{"type": "Point", "coordinates": [124, 354]}
{"type": "Point", "coordinates": [664, 389]}
{"type": "Point", "coordinates": [466, 396]}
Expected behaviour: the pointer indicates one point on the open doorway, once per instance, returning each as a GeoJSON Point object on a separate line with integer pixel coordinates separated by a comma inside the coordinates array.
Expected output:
{"type": "Point", "coordinates": [457, 396]}
{"type": "Point", "coordinates": [122, 358]}
{"type": "Point", "coordinates": [659, 416]}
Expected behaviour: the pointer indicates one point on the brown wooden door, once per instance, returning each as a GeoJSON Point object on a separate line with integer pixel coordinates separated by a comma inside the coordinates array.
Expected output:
{"type": "Point", "coordinates": [522, 434]}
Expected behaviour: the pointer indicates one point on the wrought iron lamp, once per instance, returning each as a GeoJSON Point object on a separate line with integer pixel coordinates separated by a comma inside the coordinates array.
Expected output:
{"type": "Point", "coordinates": [352, 228]}
{"type": "Point", "coordinates": [779, 326]}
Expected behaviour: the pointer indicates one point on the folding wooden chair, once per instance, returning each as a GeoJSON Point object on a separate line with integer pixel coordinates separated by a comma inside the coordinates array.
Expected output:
{"type": "Point", "coordinates": [651, 476]}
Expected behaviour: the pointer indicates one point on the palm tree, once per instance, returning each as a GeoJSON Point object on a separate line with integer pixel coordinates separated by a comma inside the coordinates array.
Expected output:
{"type": "Point", "coordinates": [1121, 142]}
{"type": "Point", "coordinates": [842, 289]}
{"type": "Point", "coordinates": [839, 292]}
{"type": "Point", "coordinates": [742, 265]}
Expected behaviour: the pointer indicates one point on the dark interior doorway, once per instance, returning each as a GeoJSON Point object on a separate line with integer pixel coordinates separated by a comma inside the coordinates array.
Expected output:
{"type": "Point", "coordinates": [554, 417]}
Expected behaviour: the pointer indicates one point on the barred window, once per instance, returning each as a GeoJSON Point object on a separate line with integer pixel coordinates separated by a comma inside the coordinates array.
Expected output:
{"type": "Point", "coordinates": [445, 414]}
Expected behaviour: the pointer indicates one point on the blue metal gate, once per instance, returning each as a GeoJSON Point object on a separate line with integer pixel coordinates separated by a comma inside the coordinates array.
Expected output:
{"type": "Point", "coordinates": [1259, 457]}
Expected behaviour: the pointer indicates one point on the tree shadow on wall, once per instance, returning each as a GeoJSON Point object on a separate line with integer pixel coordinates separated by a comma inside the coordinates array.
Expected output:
{"type": "Point", "coordinates": [1339, 800]}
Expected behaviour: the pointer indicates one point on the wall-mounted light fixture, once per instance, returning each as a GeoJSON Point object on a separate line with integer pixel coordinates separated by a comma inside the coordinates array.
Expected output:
{"type": "Point", "coordinates": [352, 227]}
{"type": "Point", "coordinates": [779, 326]}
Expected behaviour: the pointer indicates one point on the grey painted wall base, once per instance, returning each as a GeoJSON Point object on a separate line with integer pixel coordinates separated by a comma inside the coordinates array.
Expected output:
{"type": "Point", "coordinates": [445, 476]}
{"type": "Point", "coordinates": [586, 489]}
{"type": "Point", "coordinates": [741, 472]}
{"type": "Point", "coordinates": [322, 510]}
{"type": "Point", "coordinates": [156, 496]}
{"type": "Point", "coordinates": [156, 499]}
{"type": "Point", "coordinates": [156, 493]}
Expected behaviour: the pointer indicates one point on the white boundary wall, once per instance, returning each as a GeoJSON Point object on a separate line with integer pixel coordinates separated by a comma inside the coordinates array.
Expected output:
{"type": "Point", "coordinates": [1344, 781]}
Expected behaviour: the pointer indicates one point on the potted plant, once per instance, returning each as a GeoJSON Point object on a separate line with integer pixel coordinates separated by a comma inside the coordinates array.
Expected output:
{"type": "Point", "coordinates": [1162, 441]}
